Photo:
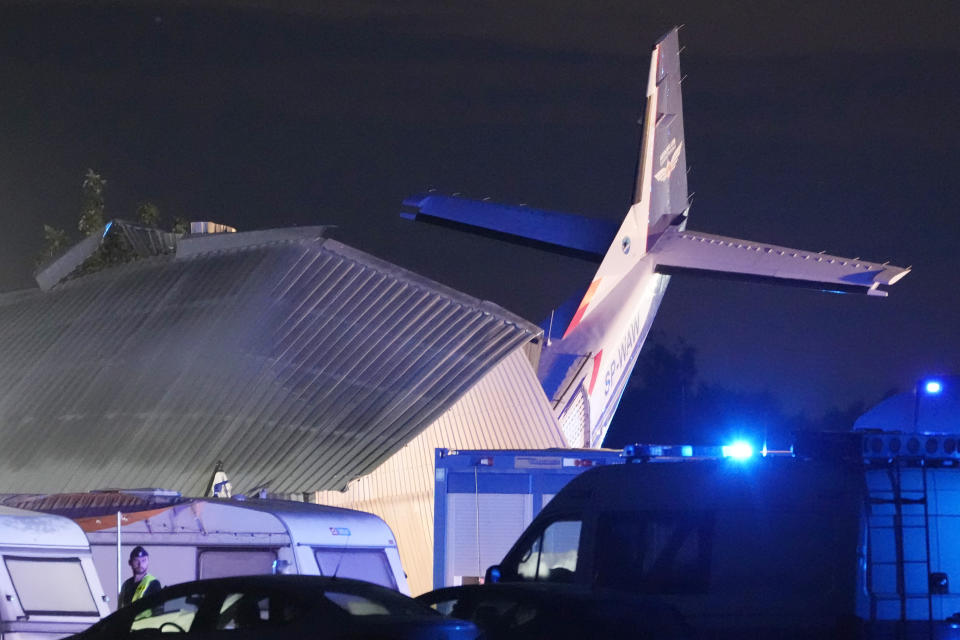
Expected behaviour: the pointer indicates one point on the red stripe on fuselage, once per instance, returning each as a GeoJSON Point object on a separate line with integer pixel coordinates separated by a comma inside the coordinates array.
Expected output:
{"type": "Point", "coordinates": [583, 307]}
{"type": "Point", "coordinates": [596, 371]}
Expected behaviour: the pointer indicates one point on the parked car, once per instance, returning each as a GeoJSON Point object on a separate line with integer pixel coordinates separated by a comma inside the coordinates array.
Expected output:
{"type": "Point", "coordinates": [537, 610]}
{"type": "Point", "coordinates": [279, 606]}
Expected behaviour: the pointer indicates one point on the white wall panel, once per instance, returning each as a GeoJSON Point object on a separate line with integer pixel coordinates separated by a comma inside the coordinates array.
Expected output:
{"type": "Point", "coordinates": [506, 409]}
{"type": "Point", "coordinates": [502, 518]}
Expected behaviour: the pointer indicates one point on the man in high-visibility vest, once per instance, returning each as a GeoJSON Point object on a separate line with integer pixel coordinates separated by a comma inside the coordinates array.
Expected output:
{"type": "Point", "coordinates": [142, 583]}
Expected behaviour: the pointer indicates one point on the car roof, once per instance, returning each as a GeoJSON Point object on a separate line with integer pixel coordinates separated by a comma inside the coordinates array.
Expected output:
{"type": "Point", "coordinates": [299, 586]}
{"type": "Point", "coordinates": [524, 589]}
{"type": "Point", "coordinates": [285, 581]}
{"type": "Point", "coordinates": [535, 591]}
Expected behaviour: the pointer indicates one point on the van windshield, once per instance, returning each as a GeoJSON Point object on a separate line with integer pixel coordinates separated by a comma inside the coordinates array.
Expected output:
{"type": "Point", "coordinates": [51, 586]}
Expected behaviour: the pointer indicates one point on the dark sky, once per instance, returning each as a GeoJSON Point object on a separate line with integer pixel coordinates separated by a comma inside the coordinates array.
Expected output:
{"type": "Point", "coordinates": [806, 126]}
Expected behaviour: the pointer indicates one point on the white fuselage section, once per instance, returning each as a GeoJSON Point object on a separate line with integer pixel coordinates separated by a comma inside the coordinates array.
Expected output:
{"type": "Point", "coordinates": [611, 336]}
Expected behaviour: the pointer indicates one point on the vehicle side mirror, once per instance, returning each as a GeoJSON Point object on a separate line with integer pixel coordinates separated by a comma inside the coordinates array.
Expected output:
{"type": "Point", "coordinates": [493, 575]}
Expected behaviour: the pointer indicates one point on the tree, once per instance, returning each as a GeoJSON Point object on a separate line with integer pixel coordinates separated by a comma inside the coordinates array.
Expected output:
{"type": "Point", "coordinates": [656, 404]}
{"type": "Point", "coordinates": [92, 207]}
{"type": "Point", "coordinates": [664, 404]}
{"type": "Point", "coordinates": [55, 242]}
{"type": "Point", "coordinates": [148, 214]}
{"type": "Point", "coordinates": [181, 225]}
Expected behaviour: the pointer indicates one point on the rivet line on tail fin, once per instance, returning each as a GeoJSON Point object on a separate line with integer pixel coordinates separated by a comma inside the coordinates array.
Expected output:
{"type": "Point", "coordinates": [583, 306]}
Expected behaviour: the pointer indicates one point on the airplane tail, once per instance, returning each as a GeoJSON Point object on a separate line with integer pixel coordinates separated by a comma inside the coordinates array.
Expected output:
{"type": "Point", "coordinates": [591, 348]}
{"type": "Point", "coordinates": [584, 369]}
{"type": "Point", "coordinates": [662, 170]}
{"type": "Point", "coordinates": [660, 191]}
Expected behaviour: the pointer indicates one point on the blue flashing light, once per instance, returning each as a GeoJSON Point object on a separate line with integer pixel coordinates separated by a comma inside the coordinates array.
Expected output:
{"type": "Point", "coordinates": [686, 451]}
{"type": "Point", "coordinates": [932, 387]}
{"type": "Point", "coordinates": [106, 229]}
{"type": "Point", "coordinates": [739, 450]}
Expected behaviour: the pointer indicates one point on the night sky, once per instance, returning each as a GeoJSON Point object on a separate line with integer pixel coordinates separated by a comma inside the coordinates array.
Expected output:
{"type": "Point", "coordinates": [805, 126]}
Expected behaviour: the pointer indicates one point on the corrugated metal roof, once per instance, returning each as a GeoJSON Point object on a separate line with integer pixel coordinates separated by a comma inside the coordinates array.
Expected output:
{"type": "Point", "coordinates": [298, 361]}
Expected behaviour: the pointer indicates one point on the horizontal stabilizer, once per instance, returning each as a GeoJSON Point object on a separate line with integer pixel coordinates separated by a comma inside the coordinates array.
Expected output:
{"type": "Point", "coordinates": [718, 256]}
{"type": "Point", "coordinates": [564, 233]}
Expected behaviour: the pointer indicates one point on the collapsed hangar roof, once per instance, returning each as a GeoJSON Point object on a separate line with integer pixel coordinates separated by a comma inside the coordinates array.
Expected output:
{"type": "Point", "coordinates": [300, 362]}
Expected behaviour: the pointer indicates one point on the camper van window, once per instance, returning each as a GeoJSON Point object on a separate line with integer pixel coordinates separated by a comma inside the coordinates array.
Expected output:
{"type": "Point", "coordinates": [370, 565]}
{"type": "Point", "coordinates": [654, 552]}
{"type": "Point", "coordinates": [239, 562]}
{"type": "Point", "coordinates": [553, 555]}
{"type": "Point", "coordinates": [51, 586]}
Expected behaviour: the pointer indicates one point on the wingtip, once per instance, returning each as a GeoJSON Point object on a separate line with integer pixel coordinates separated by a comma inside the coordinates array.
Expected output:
{"type": "Point", "coordinates": [899, 276]}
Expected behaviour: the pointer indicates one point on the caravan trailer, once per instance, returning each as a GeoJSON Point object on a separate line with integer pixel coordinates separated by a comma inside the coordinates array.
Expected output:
{"type": "Point", "coordinates": [195, 538]}
{"type": "Point", "coordinates": [48, 585]}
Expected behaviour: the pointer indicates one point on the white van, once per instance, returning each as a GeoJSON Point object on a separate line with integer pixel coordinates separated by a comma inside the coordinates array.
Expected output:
{"type": "Point", "coordinates": [195, 538]}
{"type": "Point", "coordinates": [48, 585]}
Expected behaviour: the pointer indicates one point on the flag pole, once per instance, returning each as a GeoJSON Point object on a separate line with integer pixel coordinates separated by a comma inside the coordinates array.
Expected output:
{"type": "Point", "coordinates": [119, 561]}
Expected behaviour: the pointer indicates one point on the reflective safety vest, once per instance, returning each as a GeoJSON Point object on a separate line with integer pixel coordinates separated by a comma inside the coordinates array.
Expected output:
{"type": "Point", "coordinates": [138, 593]}
{"type": "Point", "coordinates": [142, 587]}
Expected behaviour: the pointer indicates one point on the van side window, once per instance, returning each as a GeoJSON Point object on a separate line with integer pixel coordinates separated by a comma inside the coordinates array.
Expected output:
{"type": "Point", "coordinates": [553, 555]}
{"type": "Point", "coordinates": [654, 552]}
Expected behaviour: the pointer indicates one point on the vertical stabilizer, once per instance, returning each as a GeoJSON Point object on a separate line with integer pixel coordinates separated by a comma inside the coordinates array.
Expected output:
{"type": "Point", "coordinates": [594, 357]}
{"type": "Point", "coordinates": [660, 191]}
{"type": "Point", "coordinates": [664, 183]}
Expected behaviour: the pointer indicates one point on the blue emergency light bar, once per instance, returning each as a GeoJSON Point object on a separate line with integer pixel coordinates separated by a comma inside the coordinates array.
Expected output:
{"type": "Point", "coordinates": [932, 387]}
{"type": "Point", "coordinates": [634, 451]}
{"type": "Point", "coordinates": [740, 450]}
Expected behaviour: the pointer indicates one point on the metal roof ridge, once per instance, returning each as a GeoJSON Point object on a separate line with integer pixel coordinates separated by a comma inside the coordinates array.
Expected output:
{"type": "Point", "coordinates": [195, 245]}
{"type": "Point", "coordinates": [415, 279]}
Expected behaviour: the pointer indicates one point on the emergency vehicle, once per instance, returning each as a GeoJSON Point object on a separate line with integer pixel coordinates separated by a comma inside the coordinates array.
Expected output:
{"type": "Point", "coordinates": [845, 535]}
